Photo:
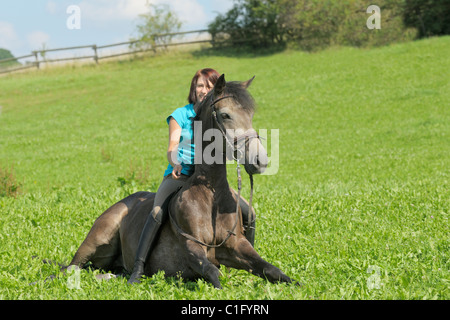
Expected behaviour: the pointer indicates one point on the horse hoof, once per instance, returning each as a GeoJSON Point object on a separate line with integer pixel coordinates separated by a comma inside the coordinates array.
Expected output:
{"type": "Point", "coordinates": [133, 281]}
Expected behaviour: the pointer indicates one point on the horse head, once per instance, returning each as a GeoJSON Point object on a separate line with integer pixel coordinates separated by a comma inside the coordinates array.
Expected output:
{"type": "Point", "coordinates": [233, 108]}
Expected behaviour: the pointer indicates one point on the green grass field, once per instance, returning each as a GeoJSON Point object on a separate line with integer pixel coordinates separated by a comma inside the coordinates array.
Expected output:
{"type": "Point", "coordinates": [358, 209]}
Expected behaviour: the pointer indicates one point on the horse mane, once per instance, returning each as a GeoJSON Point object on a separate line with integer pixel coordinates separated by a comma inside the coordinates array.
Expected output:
{"type": "Point", "coordinates": [234, 89]}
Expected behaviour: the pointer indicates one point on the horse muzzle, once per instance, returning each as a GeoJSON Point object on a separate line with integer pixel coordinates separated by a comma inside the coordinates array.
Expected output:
{"type": "Point", "coordinates": [251, 153]}
{"type": "Point", "coordinates": [256, 164]}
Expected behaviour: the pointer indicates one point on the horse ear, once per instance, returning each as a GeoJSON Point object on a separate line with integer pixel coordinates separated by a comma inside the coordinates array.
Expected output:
{"type": "Point", "coordinates": [219, 86]}
{"type": "Point", "coordinates": [247, 83]}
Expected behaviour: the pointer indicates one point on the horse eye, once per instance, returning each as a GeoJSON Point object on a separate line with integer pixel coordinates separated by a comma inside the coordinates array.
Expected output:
{"type": "Point", "coordinates": [225, 116]}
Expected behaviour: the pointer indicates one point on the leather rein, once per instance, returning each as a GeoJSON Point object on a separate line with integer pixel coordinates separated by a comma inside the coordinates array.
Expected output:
{"type": "Point", "coordinates": [237, 139]}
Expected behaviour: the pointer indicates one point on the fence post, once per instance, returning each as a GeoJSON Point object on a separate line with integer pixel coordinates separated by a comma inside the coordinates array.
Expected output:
{"type": "Point", "coordinates": [37, 59]}
{"type": "Point", "coordinates": [213, 39]}
{"type": "Point", "coordinates": [95, 53]}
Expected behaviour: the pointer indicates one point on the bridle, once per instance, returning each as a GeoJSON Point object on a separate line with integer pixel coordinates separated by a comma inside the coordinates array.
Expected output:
{"type": "Point", "coordinates": [252, 135]}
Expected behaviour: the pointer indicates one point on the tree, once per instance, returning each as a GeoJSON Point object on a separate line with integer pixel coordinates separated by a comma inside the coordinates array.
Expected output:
{"type": "Point", "coordinates": [312, 24]}
{"type": "Point", "coordinates": [6, 54]}
{"type": "Point", "coordinates": [158, 21]}
{"type": "Point", "coordinates": [254, 22]}
{"type": "Point", "coordinates": [429, 17]}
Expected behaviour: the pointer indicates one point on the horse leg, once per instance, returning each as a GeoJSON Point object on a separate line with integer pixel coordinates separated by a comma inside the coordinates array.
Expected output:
{"type": "Point", "coordinates": [245, 257]}
{"type": "Point", "coordinates": [199, 262]}
{"type": "Point", "coordinates": [102, 244]}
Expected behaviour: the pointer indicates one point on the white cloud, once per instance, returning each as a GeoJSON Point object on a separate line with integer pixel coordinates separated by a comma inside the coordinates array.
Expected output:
{"type": "Point", "coordinates": [189, 11]}
{"type": "Point", "coordinates": [8, 37]}
{"type": "Point", "coordinates": [105, 10]}
{"type": "Point", "coordinates": [37, 39]}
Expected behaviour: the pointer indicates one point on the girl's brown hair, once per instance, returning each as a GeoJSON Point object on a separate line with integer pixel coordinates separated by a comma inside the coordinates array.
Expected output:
{"type": "Point", "coordinates": [208, 74]}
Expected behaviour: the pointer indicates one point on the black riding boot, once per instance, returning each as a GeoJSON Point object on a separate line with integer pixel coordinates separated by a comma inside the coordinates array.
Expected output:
{"type": "Point", "coordinates": [146, 242]}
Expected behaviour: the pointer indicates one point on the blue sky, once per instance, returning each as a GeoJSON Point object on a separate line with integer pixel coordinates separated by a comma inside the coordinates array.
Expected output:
{"type": "Point", "coordinates": [26, 24]}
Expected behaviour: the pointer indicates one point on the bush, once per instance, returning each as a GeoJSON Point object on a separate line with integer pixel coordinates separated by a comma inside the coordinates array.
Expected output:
{"type": "Point", "coordinates": [316, 24]}
{"type": "Point", "coordinates": [249, 22]}
{"type": "Point", "coordinates": [354, 32]}
{"type": "Point", "coordinates": [313, 24]}
{"type": "Point", "coordinates": [6, 54]}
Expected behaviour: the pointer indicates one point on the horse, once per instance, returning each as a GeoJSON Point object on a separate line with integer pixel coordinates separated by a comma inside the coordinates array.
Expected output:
{"type": "Point", "coordinates": [204, 228]}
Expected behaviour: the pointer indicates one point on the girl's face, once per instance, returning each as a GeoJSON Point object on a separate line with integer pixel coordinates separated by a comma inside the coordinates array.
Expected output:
{"type": "Point", "coordinates": [202, 89]}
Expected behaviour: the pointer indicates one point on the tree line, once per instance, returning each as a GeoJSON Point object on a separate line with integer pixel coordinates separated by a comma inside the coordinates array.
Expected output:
{"type": "Point", "coordinates": [312, 24]}
{"type": "Point", "coordinates": [309, 24]}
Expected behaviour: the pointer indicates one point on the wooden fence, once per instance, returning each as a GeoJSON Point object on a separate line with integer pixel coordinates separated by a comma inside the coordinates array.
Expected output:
{"type": "Point", "coordinates": [38, 57]}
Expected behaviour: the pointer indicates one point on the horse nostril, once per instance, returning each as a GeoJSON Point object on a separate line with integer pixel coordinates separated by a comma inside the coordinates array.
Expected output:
{"type": "Point", "coordinates": [262, 161]}
{"type": "Point", "coordinates": [258, 163]}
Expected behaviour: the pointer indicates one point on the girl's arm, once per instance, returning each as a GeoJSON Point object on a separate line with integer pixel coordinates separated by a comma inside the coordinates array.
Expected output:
{"type": "Point", "coordinates": [172, 151]}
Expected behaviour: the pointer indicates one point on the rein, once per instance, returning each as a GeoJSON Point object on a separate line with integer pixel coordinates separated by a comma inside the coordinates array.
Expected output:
{"type": "Point", "coordinates": [239, 178]}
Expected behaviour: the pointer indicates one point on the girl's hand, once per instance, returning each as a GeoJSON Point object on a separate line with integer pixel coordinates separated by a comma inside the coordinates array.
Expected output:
{"type": "Point", "coordinates": [176, 172]}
